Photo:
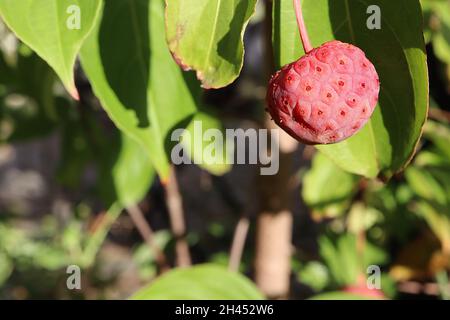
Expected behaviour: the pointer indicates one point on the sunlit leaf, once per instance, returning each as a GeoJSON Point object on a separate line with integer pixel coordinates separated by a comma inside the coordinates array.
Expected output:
{"type": "Point", "coordinates": [207, 36]}
{"type": "Point", "coordinates": [340, 295]}
{"type": "Point", "coordinates": [128, 173]}
{"type": "Point", "coordinates": [50, 28]}
{"type": "Point", "coordinates": [386, 144]}
{"type": "Point", "coordinates": [202, 282]}
{"type": "Point", "coordinates": [327, 188]}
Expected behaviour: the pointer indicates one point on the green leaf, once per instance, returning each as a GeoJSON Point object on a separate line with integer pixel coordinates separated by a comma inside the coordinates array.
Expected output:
{"type": "Point", "coordinates": [315, 275]}
{"type": "Point", "coordinates": [438, 220]}
{"type": "Point", "coordinates": [340, 295]}
{"type": "Point", "coordinates": [145, 258]}
{"type": "Point", "coordinates": [327, 188]}
{"type": "Point", "coordinates": [387, 143]}
{"type": "Point", "coordinates": [439, 134]}
{"type": "Point", "coordinates": [211, 153]}
{"type": "Point", "coordinates": [6, 268]}
{"type": "Point", "coordinates": [443, 283]}
{"type": "Point", "coordinates": [207, 36]}
{"type": "Point", "coordinates": [427, 14]}
{"type": "Point", "coordinates": [441, 36]}
{"type": "Point", "coordinates": [202, 282]}
{"type": "Point", "coordinates": [145, 93]}
{"type": "Point", "coordinates": [428, 158]}
{"type": "Point", "coordinates": [96, 239]}
{"type": "Point", "coordinates": [347, 252]}
{"type": "Point", "coordinates": [47, 26]}
{"type": "Point", "coordinates": [331, 256]}
{"type": "Point", "coordinates": [442, 175]}
{"type": "Point", "coordinates": [342, 259]}
{"type": "Point", "coordinates": [133, 173]}
{"type": "Point", "coordinates": [425, 185]}
{"type": "Point", "coordinates": [130, 173]}
{"type": "Point", "coordinates": [361, 218]}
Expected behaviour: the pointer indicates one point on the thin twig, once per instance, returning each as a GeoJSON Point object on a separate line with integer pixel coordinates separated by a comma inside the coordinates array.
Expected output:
{"type": "Point", "coordinates": [148, 235]}
{"type": "Point", "coordinates": [175, 207]}
{"type": "Point", "coordinates": [439, 115]}
{"type": "Point", "coordinates": [237, 247]}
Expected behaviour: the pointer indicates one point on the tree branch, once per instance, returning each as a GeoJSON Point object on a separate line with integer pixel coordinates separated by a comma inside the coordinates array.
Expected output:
{"type": "Point", "coordinates": [176, 215]}
{"type": "Point", "coordinates": [439, 115]}
{"type": "Point", "coordinates": [148, 235]}
{"type": "Point", "coordinates": [237, 247]}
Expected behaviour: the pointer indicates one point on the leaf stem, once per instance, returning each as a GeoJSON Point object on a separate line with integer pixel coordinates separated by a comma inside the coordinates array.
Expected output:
{"type": "Point", "coordinates": [302, 27]}
{"type": "Point", "coordinates": [174, 203]}
{"type": "Point", "coordinates": [137, 216]}
{"type": "Point", "coordinates": [237, 247]}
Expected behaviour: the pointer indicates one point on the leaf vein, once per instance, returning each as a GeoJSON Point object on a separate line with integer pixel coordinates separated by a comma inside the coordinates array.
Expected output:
{"type": "Point", "coordinates": [213, 34]}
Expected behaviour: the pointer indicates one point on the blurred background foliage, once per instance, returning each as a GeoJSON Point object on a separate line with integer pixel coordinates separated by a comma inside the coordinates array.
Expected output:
{"type": "Point", "coordinates": [60, 171]}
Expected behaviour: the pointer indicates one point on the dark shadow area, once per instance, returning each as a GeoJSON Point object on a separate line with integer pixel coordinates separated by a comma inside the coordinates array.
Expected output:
{"type": "Point", "coordinates": [124, 48]}
{"type": "Point", "coordinates": [276, 32]}
{"type": "Point", "coordinates": [226, 46]}
{"type": "Point", "coordinates": [108, 158]}
{"type": "Point", "coordinates": [96, 128]}
{"type": "Point", "coordinates": [436, 72]}
{"type": "Point", "coordinates": [168, 143]}
{"type": "Point", "coordinates": [195, 91]}
{"type": "Point", "coordinates": [193, 84]}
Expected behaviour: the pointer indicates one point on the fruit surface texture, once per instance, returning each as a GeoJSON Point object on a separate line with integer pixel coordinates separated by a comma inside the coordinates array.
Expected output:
{"type": "Point", "coordinates": [326, 96]}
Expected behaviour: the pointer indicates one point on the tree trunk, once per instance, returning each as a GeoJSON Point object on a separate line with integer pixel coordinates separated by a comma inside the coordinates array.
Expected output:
{"type": "Point", "coordinates": [275, 222]}
{"type": "Point", "coordinates": [274, 226]}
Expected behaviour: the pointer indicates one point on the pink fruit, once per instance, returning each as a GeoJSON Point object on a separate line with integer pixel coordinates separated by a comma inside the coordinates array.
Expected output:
{"type": "Point", "coordinates": [327, 95]}
{"type": "Point", "coordinates": [362, 290]}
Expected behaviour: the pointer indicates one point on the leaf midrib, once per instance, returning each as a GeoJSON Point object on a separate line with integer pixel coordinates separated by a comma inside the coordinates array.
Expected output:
{"type": "Point", "coordinates": [369, 123]}
{"type": "Point", "coordinates": [213, 35]}
{"type": "Point", "coordinates": [155, 129]}
{"type": "Point", "coordinates": [60, 45]}
{"type": "Point", "coordinates": [386, 91]}
{"type": "Point", "coordinates": [135, 25]}
{"type": "Point", "coordinates": [154, 125]}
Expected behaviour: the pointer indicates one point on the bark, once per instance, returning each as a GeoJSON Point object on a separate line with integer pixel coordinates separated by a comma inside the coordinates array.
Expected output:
{"type": "Point", "coordinates": [274, 227]}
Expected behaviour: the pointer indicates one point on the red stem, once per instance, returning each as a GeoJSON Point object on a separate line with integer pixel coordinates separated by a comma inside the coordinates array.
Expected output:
{"type": "Point", "coordinates": [302, 27]}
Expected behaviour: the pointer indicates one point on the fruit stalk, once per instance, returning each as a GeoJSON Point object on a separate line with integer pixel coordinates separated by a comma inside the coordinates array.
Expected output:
{"type": "Point", "coordinates": [302, 27]}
